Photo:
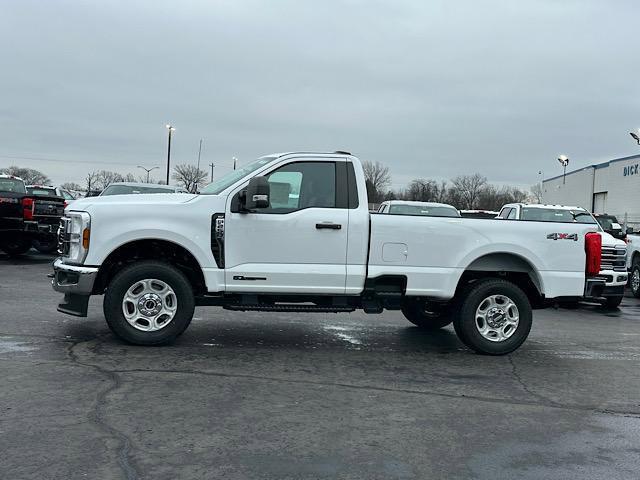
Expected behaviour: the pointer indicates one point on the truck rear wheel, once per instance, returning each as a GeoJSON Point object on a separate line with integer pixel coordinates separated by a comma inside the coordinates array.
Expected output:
{"type": "Point", "coordinates": [611, 303]}
{"type": "Point", "coordinates": [492, 316]}
{"type": "Point", "coordinates": [46, 245]}
{"type": "Point", "coordinates": [149, 303]}
{"type": "Point", "coordinates": [15, 246]}
{"type": "Point", "coordinates": [424, 315]}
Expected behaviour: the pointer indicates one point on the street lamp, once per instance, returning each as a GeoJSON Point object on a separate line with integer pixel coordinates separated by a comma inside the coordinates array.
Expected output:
{"type": "Point", "coordinates": [235, 160]}
{"type": "Point", "coordinates": [171, 130]}
{"type": "Point", "coordinates": [564, 161]}
{"type": "Point", "coordinates": [147, 170]}
{"type": "Point", "coordinates": [636, 135]}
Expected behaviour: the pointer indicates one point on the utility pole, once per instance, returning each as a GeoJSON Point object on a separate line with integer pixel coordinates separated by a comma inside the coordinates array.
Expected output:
{"type": "Point", "coordinates": [211, 165]}
{"type": "Point", "coordinates": [199, 152]}
{"type": "Point", "coordinates": [171, 130]}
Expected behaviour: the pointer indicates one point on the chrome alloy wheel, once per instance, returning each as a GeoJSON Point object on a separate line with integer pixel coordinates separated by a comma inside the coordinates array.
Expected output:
{"type": "Point", "coordinates": [635, 280]}
{"type": "Point", "coordinates": [149, 305]}
{"type": "Point", "coordinates": [497, 318]}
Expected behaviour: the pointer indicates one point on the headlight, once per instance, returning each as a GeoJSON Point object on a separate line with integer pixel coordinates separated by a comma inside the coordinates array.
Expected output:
{"type": "Point", "coordinates": [78, 235]}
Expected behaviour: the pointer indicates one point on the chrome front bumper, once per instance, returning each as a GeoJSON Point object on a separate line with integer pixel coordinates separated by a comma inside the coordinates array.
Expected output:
{"type": "Point", "coordinates": [74, 279]}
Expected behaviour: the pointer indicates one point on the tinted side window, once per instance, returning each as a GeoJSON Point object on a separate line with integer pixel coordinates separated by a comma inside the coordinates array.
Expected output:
{"type": "Point", "coordinates": [302, 185]}
{"type": "Point", "coordinates": [512, 214]}
{"type": "Point", "coordinates": [504, 212]}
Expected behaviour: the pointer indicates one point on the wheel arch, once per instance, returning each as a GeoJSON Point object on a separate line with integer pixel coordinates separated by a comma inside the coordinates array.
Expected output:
{"type": "Point", "coordinates": [151, 249]}
{"type": "Point", "coordinates": [510, 266]}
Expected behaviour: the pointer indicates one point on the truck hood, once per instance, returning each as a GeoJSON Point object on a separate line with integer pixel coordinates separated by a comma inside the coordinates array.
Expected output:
{"type": "Point", "coordinates": [609, 240]}
{"type": "Point", "coordinates": [133, 200]}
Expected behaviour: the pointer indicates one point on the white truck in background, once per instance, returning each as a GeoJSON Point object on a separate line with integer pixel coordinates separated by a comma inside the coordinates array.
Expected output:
{"type": "Point", "coordinates": [633, 263]}
{"type": "Point", "coordinates": [292, 233]}
{"type": "Point", "coordinates": [613, 268]}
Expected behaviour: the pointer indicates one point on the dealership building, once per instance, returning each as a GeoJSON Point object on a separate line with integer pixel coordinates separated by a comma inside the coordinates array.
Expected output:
{"type": "Point", "coordinates": [611, 187]}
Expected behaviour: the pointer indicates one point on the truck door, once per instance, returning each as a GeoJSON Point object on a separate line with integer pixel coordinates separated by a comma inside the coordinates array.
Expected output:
{"type": "Point", "coordinates": [299, 243]}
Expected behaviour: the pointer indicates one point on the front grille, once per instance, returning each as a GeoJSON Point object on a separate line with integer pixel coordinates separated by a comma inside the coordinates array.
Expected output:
{"type": "Point", "coordinates": [614, 258]}
{"type": "Point", "coordinates": [64, 236]}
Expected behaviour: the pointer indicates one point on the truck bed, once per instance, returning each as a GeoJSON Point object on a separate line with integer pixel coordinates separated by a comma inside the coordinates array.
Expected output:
{"type": "Point", "coordinates": [425, 248]}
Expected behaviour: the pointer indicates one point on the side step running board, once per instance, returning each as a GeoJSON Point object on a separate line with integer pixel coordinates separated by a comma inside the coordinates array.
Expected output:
{"type": "Point", "coordinates": [267, 307]}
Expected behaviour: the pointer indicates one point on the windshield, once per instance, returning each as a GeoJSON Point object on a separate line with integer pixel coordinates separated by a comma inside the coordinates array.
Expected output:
{"type": "Point", "coordinates": [556, 215]}
{"type": "Point", "coordinates": [230, 178]}
{"type": "Point", "coordinates": [607, 222]}
{"type": "Point", "coordinates": [12, 185]}
{"type": "Point", "coordinates": [430, 211]}
{"type": "Point", "coordinates": [41, 191]}
{"type": "Point", "coordinates": [130, 189]}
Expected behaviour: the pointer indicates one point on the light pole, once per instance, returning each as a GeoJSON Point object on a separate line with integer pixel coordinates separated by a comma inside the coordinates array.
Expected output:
{"type": "Point", "coordinates": [234, 162]}
{"type": "Point", "coordinates": [564, 161]}
{"type": "Point", "coordinates": [199, 152]}
{"type": "Point", "coordinates": [147, 170]}
{"type": "Point", "coordinates": [171, 130]}
{"type": "Point", "coordinates": [211, 165]}
{"type": "Point", "coordinates": [636, 135]}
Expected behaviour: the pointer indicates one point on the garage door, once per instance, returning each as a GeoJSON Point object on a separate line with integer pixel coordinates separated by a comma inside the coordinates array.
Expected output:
{"type": "Point", "coordinates": [600, 202]}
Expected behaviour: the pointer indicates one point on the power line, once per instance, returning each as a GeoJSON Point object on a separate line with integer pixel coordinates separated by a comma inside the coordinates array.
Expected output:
{"type": "Point", "coordinates": [42, 159]}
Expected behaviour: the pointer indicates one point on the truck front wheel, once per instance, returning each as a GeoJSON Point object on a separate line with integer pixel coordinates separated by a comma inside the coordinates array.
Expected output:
{"type": "Point", "coordinates": [492, 316]}
{"type": "Point", "coordinates": [424, 315]}
{"type": "Point", "coordinates": [149, 303]}
{"type": "Point", "coordinates": [634, 280]}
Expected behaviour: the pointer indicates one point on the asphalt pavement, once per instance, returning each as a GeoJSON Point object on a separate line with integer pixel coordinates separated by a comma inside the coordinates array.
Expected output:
{"type": "Point", "coordinates": [289, 396]}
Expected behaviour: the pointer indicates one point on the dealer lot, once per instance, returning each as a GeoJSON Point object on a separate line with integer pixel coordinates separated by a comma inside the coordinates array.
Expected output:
{"type": "Point", "coordinates": [255, 395]}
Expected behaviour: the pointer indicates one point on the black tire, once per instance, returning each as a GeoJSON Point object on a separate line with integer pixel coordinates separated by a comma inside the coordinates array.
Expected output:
{"type": "Point", "coordinates": [633, 284]}
{"type": "Point", "coordinates": [48, 246]}
{"type": "Point", "coordinates": [126, 278]}
{"type": "Point", "coordinates": [612, 303]}
{"type": "Point", "coordinates": [425, 316]}
{"type": "Point", "coordinates": [464, 319]}
{"type": "Point", "coordinates": [16, 246]}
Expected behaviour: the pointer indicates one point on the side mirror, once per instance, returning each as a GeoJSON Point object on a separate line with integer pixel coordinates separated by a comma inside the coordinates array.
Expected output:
{"type": "Point", "coordinates": [630, 230]}
{"type": "Point", "coordinates": [257, 194]}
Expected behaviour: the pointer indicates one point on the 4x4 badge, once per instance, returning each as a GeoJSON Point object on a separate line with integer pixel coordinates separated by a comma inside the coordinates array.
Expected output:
{"type": "Point", "coordinates": [563, 236]}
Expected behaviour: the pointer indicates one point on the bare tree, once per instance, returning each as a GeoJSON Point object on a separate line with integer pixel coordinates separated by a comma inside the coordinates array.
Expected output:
{"type": "Point", "coordinates": [422, 190]}
{"type": "Point", "coordinates": [91, 180]}
{"type": "Point", "coordinates": [468, 188]}
{"type": "Point", "coordinates": [75, 187]}
{"type": "Point", "coordinates": [377, 179]}
{"type": "Point", "coordinates": [537, 193]}
{"type": "Point", "coordinates": [189, 176]}
{"type": "Point", "coordinates": [29, 175]}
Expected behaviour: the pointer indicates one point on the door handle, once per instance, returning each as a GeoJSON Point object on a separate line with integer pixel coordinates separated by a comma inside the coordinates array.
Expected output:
{"type": "Point", "coordinates": [330, 226]}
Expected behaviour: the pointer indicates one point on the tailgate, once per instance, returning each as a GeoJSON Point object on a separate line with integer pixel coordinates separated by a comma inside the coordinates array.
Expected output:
{"type": "Point", "coordinates": [10, 205]}
{"type": "Point", "coordinates": [47, 209]}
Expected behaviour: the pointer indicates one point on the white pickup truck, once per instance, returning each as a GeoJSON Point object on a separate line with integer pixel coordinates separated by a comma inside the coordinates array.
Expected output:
{"type": "Point", "coordinates": [292, 233]}
{"type": "Point", "coordinates": [633, 263]}
{"type": "Point", "coordinates": [613, 269]}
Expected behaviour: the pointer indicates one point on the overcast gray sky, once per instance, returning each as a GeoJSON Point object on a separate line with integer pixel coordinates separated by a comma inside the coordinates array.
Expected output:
{"type": "Point", "coordinates": [430, 88]}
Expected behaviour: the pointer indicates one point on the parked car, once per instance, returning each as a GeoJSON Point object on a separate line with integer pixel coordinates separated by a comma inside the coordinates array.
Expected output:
{"type": "Point", "coordinates": [27, 218]}
{"type": "Point", "coordinates": [405, 207]}
{"type": "Point", "coordinates": [633, 263]}
{"type": "Point", "coordinates": [609, 224]}
{"type": "Point", "coordinates": [129, 188]}
{"type": "Point", "coordinates": [613, 268]}
{"type": "Point", "coordinates": [243, 245]}
{"type": "Point", "coordinates": [486, 214]}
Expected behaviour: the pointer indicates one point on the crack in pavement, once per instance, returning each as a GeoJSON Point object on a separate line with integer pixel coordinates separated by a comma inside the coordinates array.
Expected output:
{"type": "Point", "coordinates": [546, 401]}
{"type": "Point", "coordinates": [98, 416]}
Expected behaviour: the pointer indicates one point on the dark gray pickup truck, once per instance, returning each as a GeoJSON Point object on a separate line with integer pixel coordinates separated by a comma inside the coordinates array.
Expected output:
{"type": "Point", "coordinates": [25, 218]}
